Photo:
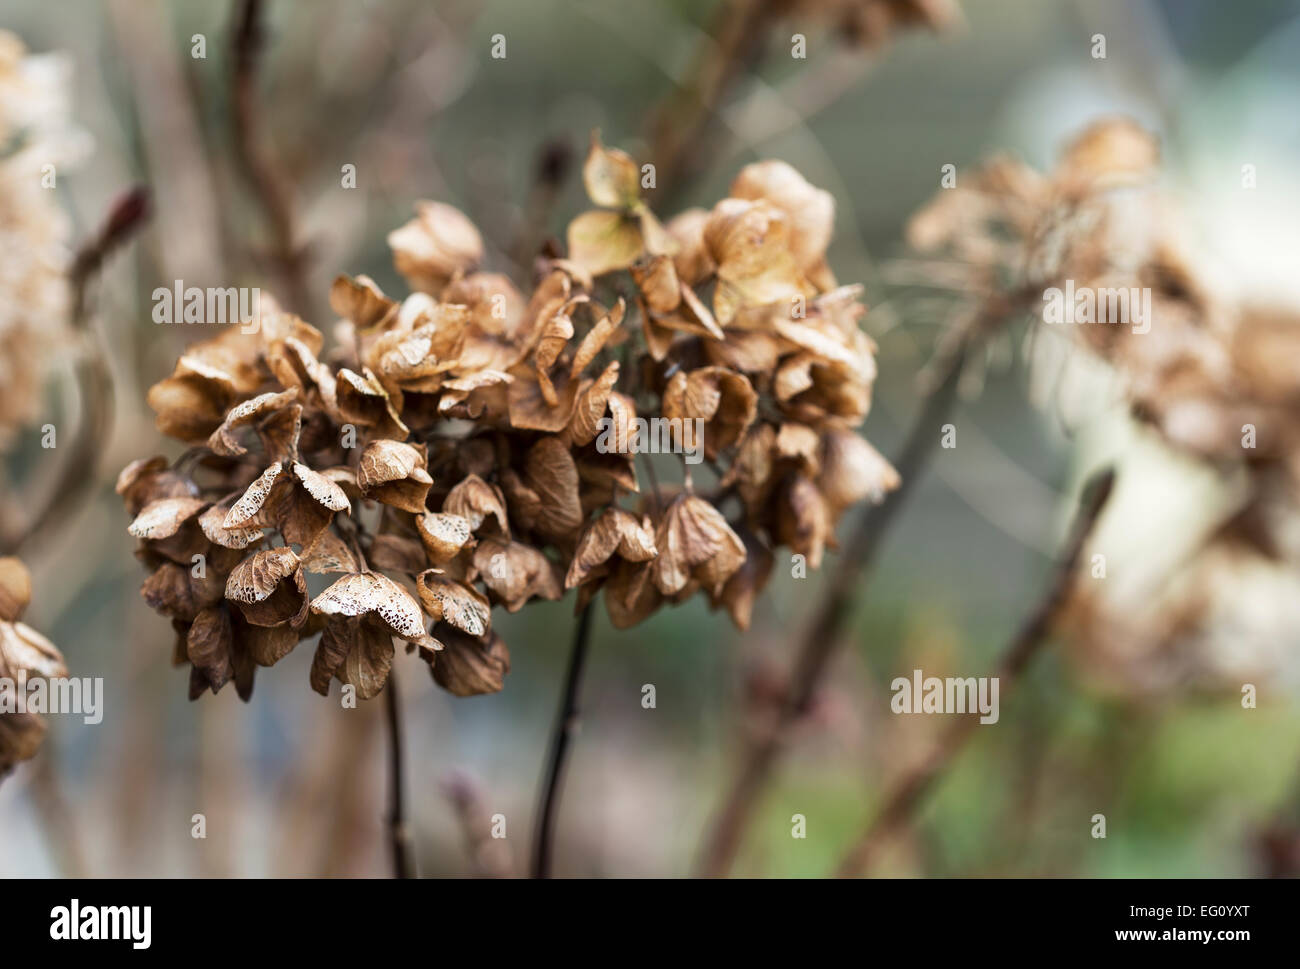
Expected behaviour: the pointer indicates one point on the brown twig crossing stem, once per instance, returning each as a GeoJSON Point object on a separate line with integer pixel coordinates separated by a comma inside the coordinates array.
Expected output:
{"type": "Point", "coordinates": [94, 381]}
{"type": "Point", "coordinates": [271, 186]}
{"type": "Point", "coordinates": [562, 734]}
{"type": "Point", "coordinates": [908, 793]}
{"type": "Point", "coordinates": [821, 638]}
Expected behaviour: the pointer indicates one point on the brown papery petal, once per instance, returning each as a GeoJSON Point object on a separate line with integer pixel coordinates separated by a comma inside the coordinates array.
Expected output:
{"type": "Point", "coordinates": [360, 300]}
{"type": "Point", "coordinates": [245, 413]}
{"type": "Point", "coordinates": [448, 601]}
{"type": "Point", "coordinates": [394, 473]}
{"type": "Point", "coordinates": [515, 572]}
{"type": "Point", "coordinates": [596, 338]}
{"type": "Point", "coordinates": [15, 588]}
{"type": "Point", "coordinates": [444, 535]}
{"type": "Point", "coordinates": [269, 588]}
{"type": "Point", "coordinates": [475, 500]}
{"type": "Point", "coordinates": [164, 518]}
{"type": "Point", "coordinates": [551, 473]}
{"type": "Point", "coordinates": [611, 177]}
{"type": "Point", "coordinates": [468, 666]}
{"type": "Point", "coordinates": [23, 648]}
{"type": "Point", "coordinates": [615, 530]}
{"type": "Point", "coordinates": [853, 470]}
{"type": "Point", "coordinates": [208, 646]}
{"type": "Point", "coordinates": [695, 542]}
{"type": "Point", "coordinates": [602, 241]}
{"type": "Point", "coordinates": [329, 553]}
{"type": "Point", "coordinates": [593, 400]}
{"type": "Point", "coordinates": [370, 593]}
{"type": "Point", "coordinates": [212, 523]}
{"type": "Point", "coordinates": [250, 503]}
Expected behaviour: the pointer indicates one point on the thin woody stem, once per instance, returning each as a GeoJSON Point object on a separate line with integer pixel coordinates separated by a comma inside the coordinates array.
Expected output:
{"type": "Point", "coordinates": [821, 638]}
{"type": "Point", "coordinates": [94, 380]}
{"type": "Point", "coordinates": [562, 734]}
{"type": "Point", "coordinates": [398, 834]}
{"type": "Point", "coordinates": [679, 122]}
{"type": "Point", "coordinates": [908, 794]}
{"type": "Point", "coordinates": [270, 184]}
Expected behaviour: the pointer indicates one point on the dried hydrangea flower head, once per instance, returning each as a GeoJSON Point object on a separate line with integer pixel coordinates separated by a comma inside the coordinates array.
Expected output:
{"type": "Point", "coordinates": [34, 231]}
{"type": "Point", "coordinates": [472, 445]}
{"type": "Point", "coordinates": [1206, 374]}
{"type": "Point", "coordinates": [24, 653]}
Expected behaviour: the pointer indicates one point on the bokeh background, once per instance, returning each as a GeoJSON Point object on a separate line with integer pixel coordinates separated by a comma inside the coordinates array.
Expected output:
{"type": "Point", "coordinates": [1190, 782]}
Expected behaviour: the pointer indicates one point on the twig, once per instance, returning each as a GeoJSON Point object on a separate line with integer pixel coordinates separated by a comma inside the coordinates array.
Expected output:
{"type": "Point", "coordinates": [554, 160]}
{"type": "Point", "coordinates": [909, 792]}
{"type": "Point", "coordinates": [562, 734]}
{"type": "Point", "coordinates": [822, 635]}
{"type": "Point", "coordinates": [399, 835]}
{"type": "Point", "coordinates": [678, 123]}
{"type": "Point", "coordinates": [94, 380]}
{"type": "Point", "coordinates": [270, 185]}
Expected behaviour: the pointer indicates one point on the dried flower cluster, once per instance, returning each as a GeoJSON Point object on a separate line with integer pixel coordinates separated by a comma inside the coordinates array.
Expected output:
{"type": "Point", "coordinates": [34, 232]}
{"type": "Point", "coordinates": [24, 653]}
{"type": "Point", "coordinates": [453, 438]}
{"type": "Point", "coordinates": [1216, 380]}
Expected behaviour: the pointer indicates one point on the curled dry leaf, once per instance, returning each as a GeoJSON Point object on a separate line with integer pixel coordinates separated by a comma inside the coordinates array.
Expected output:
{"type": "Point", "coordinates": [269, 588]}
{"type": "Point", "coordinates": [695, 544]}
{"type": "Point", "coordinates": [470, 666]}
{"type": "Point", "coordinates": [446, 600]}
{"type": "Point", "coordinates": [445, 535]}
{"type": "Point", "coordinates": [394, 473]}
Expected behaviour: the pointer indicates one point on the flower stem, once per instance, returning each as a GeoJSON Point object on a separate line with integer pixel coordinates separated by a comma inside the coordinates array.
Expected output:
{"type": "Point", "coordinates": [399, 836]}
{"type": "Point", "coordinates": [910, 791]}
{"type": "Point", "coordinates": [819, 642]}
{"type": "Point", "coordinates": [562, 734]}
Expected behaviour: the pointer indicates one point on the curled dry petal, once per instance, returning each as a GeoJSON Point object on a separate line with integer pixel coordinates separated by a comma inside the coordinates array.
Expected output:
{"type": "Point", "coordinates": [476, 501]}
{"type": "Point", "coordinates": [809, 210]}
{"type": "Point", "coordinates": [269, 587]}
{"type": "Point", "coordinates": [373, 594]}
{"type": "Point", "coordinates": [615, 531]}
{"type": "Point", "coordinates": [165, 517]}
{"type": "Point", "coordinates": [723, 399]}
{"type": "Point", "coordinates": [360, 300]}
{"type": "Point", "coordinates": [470, 666]}
{"type": "Point", "coordinates": [439, 242]}
{"type": "Point", "coordinates": [446, 600]}
{"type": "Point", "coordinates": [853, 470]}
{"type": "Point", "coordinates": [282, 419]}
{"type": "Point", "coordinates": [394, 473]}
{"type": "Point", "coordinates": [515, 572]}
{"type": "Point", "coordinates": [695, 543]}
{"type": "Point", "coordinates": [445, 535]}
{"type": "Point", "coordinates": [149, 479]}
{"type": "Point", "coordinates": [611, 176]}
{"type": "Point", "coordinates": [362, 400]}
{"type": "Point", "coordinates": [15, 588]}
{"type": "Point", "coordinates": [356, 652]}
{"type": "Point", "coordinates": [23, 648]}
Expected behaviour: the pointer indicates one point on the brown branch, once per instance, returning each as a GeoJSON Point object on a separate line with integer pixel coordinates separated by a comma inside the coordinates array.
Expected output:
{"type": "Point", "coordinates": [562, 734]}
{"type": "Point", "coordinates": [94, 380]}
{"type": "Point", "coordinates": [679, 122]}
{"type": "Point", "coordinates": [399, 835]}
{"type": "Point", "coordinates": [822, 636]}
{"type": "Point", "coordinates": [270, 185]}
{"type": "Point", "coordinates": [910, 791]}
